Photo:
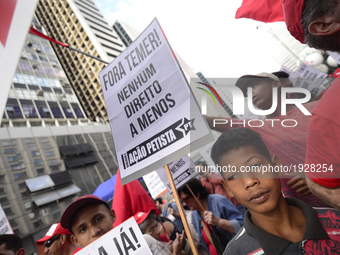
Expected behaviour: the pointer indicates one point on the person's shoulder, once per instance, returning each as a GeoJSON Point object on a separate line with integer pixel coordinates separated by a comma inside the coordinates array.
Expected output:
{"type": "Point", "coordinates": [236, 245]}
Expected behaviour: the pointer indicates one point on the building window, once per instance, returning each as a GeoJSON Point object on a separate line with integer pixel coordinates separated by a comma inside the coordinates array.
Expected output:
{"type": "Point", "coordinates": [21, 185]}
{"type": "Point", "coordinates": [10, 150]}
{"type": "Point", "coordinates": [8, 211]}
{"type": "Point", "coordinates": [18, 176]}
{"type": "Point", "coordinates": [38, 224]}
{"type": "Point", "coordinates": [40, 171]}
{"type": "Point", "coordinates": [50, 153]}
{"type": "Point", "coordinates": [32, 147]}
{"type": "Point", "coordinates": [35, 153]}
{"type": "Point", "coordinates": [38, 162]}
{"type": "Point", "coordinates": [29, 140]}
{"type": "Point", "coordinates": [3, 200]}
{"type": "Point", "coordinates": [18, 166]}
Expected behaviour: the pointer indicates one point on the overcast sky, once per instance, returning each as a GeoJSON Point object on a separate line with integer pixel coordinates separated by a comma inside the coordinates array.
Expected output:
{"type": "Point", "coordinates": [205, 33]}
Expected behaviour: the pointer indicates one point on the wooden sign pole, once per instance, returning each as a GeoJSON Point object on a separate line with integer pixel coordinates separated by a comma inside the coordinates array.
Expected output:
{"type": "Point", "coordinates": [181, 211]}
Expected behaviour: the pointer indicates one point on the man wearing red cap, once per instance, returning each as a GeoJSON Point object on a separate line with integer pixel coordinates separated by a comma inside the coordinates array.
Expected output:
{"type": "Point", "coordinates": [314, 22]}
{"type": "Point", "coordinates": [317, 23]}
{"type": "Point", "coordinates": [57, 241]}
{"type": "Point", "coordinates": [88, 218]}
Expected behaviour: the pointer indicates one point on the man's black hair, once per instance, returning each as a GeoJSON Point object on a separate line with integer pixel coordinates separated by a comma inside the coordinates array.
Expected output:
{"type": "Point", "coordinates": [236, 138]}
{"type": "Point", "coordinates": [159, 200]}
{"type": "Point", "coordinates": [196, 187]}
{"type": "Point", "coordinates": [13, 242]}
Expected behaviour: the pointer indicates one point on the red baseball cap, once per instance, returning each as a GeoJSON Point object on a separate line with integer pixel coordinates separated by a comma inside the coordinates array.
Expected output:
{"type": "Point", "coordinates": [55, 229]}
{"type": "Point", "coordinates": [77, 205]}
{"type": "Point", "coordinates": [141, 216]}
{"type": "Point", "coordinates": [292, 11]}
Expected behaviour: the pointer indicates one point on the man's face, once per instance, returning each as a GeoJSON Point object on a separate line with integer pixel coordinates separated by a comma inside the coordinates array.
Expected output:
{"type": "Point", "coordinates": [258, 192]}
{"type": "Point", "coordinates": [56, 248]}
{"type": "Point", "coordinates": [4, 251]}
{"type": "Point", "coordinates": [154, 229]}
{"type": "Point", "coordinates": [90, 223]}
{"type": "Point", "coordinates": [262, 96]}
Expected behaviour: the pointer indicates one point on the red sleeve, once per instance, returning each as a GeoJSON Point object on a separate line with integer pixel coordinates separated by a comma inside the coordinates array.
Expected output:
{"type": "Point", "coordinates": [323, 150]}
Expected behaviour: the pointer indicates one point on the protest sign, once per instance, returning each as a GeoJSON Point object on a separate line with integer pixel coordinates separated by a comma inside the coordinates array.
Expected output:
{"type": "Point", "coordinates": [124, 239]}
{"type": "Point", "coordinates": [5, 227]}
{"type": "Point", "coordinates": [155, 185]}
{"type": "Point", "coordinates": [15, 17]}
{"type": "Point", "coordinates": [182, 170]}
{"type": "Point", "coordinates": [309, 78]}
{"type": "Point", "coordinates": [153, 115]}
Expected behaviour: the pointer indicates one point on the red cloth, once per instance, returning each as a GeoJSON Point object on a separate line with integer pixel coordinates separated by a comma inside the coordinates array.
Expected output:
{"type": "Point", "coordinates": [261, 10]}
{"type": "Point", "coordinates": [211, 247]}
{"type": "Point", "coordinates": [323, 142]}
{"type": "Point", "coordinates": [129, 199]}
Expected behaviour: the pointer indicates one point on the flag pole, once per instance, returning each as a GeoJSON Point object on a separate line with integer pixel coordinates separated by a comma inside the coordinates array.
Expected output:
{"type": "Point", "coordinates": [38, 33]}
{"type": "Point", "coordinates": [181, 211]}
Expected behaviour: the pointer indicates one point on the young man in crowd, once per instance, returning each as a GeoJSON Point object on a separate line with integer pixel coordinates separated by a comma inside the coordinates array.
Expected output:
{"type": "Point", "coordinates": [288, 142]}
{"type": "Point", "coordinates": [273, 224]}
{"type": "Point", "coordinates": [11, 245]}
{"type": "Point", "coordinates": [90, 217]}
{"type": "Point", "coordinates": [317, 23]}
{"type": "Point", "coordinates": [57, 241]}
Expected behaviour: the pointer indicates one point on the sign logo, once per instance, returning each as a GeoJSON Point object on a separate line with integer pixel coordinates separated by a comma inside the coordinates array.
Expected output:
{"type": "Point", "coordinates": [212, 89]}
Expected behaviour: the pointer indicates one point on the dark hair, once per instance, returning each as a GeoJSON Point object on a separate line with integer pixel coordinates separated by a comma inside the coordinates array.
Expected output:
{"type": "Point", "coordinates": [236, 138]}
{"type": "Point", "coordinates": [13, 242]}
{"type": "Point", "coordinates": [281, 75]}
{"type": "Point", "coordinates": [312, 10]}
{"type": "Point", "coordinates": [196, 187]}
{"type": "Point", "coordinates": [152, 216]}
{"type": "Point", "coordinates": [159, 200]}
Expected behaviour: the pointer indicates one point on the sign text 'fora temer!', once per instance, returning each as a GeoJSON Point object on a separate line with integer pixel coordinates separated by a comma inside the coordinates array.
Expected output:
{"type": "Point", "coordinates": [158, 142]}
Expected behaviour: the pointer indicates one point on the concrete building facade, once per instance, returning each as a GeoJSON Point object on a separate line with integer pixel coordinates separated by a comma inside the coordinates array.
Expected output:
{"type": "Point", "coordinates": [80, 24]}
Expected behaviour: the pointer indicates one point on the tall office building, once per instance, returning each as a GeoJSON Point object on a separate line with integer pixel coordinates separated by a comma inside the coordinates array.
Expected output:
{"type": "Point", "coordinates": [126, 33]}
{"type": "Point", "coordinates": [80, 24]}
{"type": "Point", "coordinates": [50, 152]}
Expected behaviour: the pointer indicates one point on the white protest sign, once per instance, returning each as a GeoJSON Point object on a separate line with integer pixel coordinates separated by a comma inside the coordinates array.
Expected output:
{"type": "Point", "coordinates": [309, 78]}
{"type": "Point", "coordinates": [123, 239]}
{"type": "Point", "coordinates": [182, 170]}
{"type": "Point", "coordinates": [5, 227]}
{"type": "Point", "coordinates": [153, 115]}
{"type": "Point", "coordinates": [15, 18]}
{"type": "Point", "coordinates": [154, 184]}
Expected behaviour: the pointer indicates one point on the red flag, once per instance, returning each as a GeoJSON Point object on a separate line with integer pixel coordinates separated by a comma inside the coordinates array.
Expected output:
{"type": "Point", "coordinates": [261, 10]}
{"type": "Point", "coordinates": [36, 32]}
{"type": "Point", "coordinates": [129, 199]}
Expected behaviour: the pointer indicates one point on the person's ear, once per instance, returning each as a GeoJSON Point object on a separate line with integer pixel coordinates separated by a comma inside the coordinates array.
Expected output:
{"type": "Point", "coordinates": [113, 215]}
{"type": "Point", "coordinates": [326, 25]}
{"type": "Point", "coordinates": [21, 251]}
{"type": "Point", "coordinates": [225, 186]}
{"type": "Point", "coordinates": [74, 240]}
{"type": "Point", "coordinates": [276, 160]}
{"type": "Point", "coordinates": [292, 95]}
{"type": "Point", "coordinates": [62, 238]}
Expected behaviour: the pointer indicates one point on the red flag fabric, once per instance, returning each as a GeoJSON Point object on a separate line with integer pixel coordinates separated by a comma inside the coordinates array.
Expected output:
{"type": "Point", "coordinates": [36, 32]}
{"type": "Point", "coordinates": [261, 10]}
{"type": "Point", "coordinates": [129, 199]}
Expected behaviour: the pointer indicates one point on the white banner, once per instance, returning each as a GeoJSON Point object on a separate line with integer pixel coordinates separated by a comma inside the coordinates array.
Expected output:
{"type": "Point", "coordinates": [155, 185]}
{"type": "Point", "coordinates": [182, 170]}
{"type": "Point", "coordinates": [5, 227]}
{"type": "Point", "coordinates": [15, 18]}
{"type": "Point", "coordinates": [309, 78]}
{"type": "Point", "coordinates": [153, 115]}
{"type": "Point", "coordinates": [123, 239]}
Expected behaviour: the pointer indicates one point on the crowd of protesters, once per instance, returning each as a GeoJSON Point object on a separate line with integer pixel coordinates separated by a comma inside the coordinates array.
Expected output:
{"type": "Point", "coordinates": [238, 212]}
